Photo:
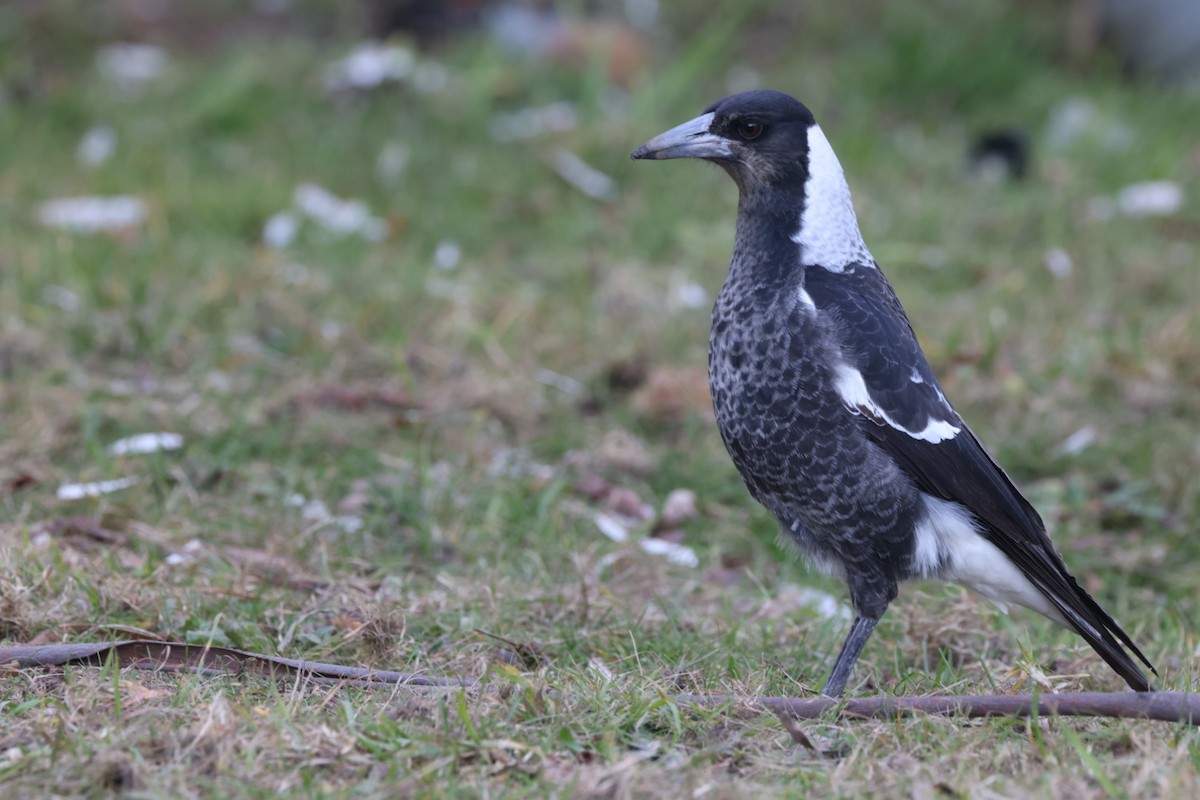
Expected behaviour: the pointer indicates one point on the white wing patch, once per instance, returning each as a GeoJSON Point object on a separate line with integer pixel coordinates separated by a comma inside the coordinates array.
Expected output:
{"type": "Point", "coordinates": [828, 235]}
{"type": "Point", "coordinates": [949, 547]}
{"type": "Point", "coordinates": [806, 299]}
{"type": "Point", "coordinates": [853, 389]}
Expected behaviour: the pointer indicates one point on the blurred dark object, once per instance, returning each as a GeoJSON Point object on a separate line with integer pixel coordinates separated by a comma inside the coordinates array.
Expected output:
{"type": "Point", "coordinates": [627, 374]}
{"type": "Point", "coordinates": [1000, 154]}
{"type": "Point", "coordinates": [427, 20]}
{"type": "Point", "coordinates": [1156, 38]}
{"type": "Point", "coordinates": [72, 29]}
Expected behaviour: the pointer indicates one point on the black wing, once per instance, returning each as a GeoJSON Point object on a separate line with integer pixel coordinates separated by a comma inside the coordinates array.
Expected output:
{"type": "Point", "coordinates": [912, 421]}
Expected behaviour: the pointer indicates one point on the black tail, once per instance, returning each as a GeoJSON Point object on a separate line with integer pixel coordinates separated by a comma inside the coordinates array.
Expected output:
{"type": "Point", "coordinates": [1101, 631]}
{"type": "Point", "coordinates": [962, 471]}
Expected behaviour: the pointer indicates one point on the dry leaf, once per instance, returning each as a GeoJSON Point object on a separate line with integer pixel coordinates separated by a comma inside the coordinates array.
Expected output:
{"type": "Point", "coordinates": [670, 393]}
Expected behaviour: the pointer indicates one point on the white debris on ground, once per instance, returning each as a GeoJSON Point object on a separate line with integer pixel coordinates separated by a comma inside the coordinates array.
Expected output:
{"type": "Point", "coordinates": [186, 554]}
{"type": "Point", "coordinates": [280, 229]}
{"type": "Point", "coordinates": [617, 529]}
{"type": "Point", "coordinates": [97, 146]}
{"type": "Point", "coordinates": [1078, 119]}
{"type": "Point", "coordinates": [371, 65]}
{"type": "Point", "coordinates": [1079, 441]}
{"type": "Point", "coordinates": [789, 597]}
{"type": "Point", "coordinates": [826, 605]}
{"type": "Point", "coordinates": [316, 511]}
{"type": "Point", "coordinates": [131, 67]}
{"type": "Point", "coordinates": [515, 463]}
{"type": "Point", "coordinates": [337, 215]}
{"type": "Point", "coordinates": [447, 254]}
{"type": "Point", "coordinates": [679, 554]}
{"type": "Point", "coordinates": [143, 443]}
{"type": "Point", "coordinates": [597, 666]}
{"type": "Point", "coordinates": [611, 527]}
{"type": "Point", "coordinates": [577, 172]}
{"type": "Point", "coordinates": [78, 491]}
{"type": "Point", "coordinates": [61, 298]}
{"type": "Point", "coordinates": [1069, 120]}
{"type": "Point", "coordinates": [529, 123]}
{"type": "Point", "coordinates": [1150, 199]}
{"type": "Point", "coordinates": [1058, 262]}
{"type": "Point", "coordinates": [138, 444]}
{"type": "Point", "coordinates": [1144, 199]}
{"type": "Point", "coordinates": [687, 294]}
{"type": "Point", "coordinates": [92, 214]}
{"type": "Point", "coordinates": [564, 383]}
{"type": "Point", "coordinates": [329, 212]}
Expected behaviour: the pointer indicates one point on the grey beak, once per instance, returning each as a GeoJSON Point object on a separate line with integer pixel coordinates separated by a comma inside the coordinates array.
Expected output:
{"type": "Point", "coordinates": [692, 139]}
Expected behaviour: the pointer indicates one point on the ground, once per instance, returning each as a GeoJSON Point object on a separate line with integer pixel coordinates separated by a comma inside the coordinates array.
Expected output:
{"type": "Point", "coordinates": [397, 446]}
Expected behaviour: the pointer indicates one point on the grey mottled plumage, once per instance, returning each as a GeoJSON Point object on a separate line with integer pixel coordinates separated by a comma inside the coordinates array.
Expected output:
{"type": "Point", "coordinates": [829, 409]}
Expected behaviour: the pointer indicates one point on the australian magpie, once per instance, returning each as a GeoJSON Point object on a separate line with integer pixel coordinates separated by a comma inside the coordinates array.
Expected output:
{"type": "Point", "coordinates": [829, 409]}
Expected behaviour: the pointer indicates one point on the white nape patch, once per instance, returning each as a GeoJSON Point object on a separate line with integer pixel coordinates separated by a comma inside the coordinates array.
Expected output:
{"type": "Point", "coordinates": [947, 532]}
{"type": "Point", "coordinates": [853, 389]}
{"type": "Point", "coordinates": [828, 236]}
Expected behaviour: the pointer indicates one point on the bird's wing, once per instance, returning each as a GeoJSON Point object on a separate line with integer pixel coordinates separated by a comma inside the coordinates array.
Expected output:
{"type": "Point", "coordinates": [885, 378]}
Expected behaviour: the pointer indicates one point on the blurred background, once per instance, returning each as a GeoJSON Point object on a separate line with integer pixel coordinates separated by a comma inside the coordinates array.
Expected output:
{"type": "Point", "coordinates": [323, 242]}
{"type": "Point", "coordinates": [342, 330]}
{"type": "Point", "coordinates": [388, 261]}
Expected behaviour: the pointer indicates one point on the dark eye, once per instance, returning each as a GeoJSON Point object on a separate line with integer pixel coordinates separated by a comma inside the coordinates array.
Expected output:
{"type": "Point", "coordinates": [749, 129]}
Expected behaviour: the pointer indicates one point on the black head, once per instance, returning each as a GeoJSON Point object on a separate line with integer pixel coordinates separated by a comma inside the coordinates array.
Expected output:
{"type": "Point", "coordinates": [760, 138]}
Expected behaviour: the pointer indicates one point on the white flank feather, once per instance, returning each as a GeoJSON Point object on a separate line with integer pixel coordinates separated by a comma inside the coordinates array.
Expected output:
{"type": "Point", "coordinates": [949, 547]}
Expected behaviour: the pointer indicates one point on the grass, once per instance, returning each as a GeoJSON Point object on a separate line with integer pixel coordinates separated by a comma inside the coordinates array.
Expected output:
{"type": "Point", "coordinates": [467, 474]}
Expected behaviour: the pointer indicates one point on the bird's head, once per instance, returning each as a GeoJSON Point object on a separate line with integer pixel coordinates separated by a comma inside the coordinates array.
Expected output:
{"type": "Point", "coordinates": [785, 169]}
{"type": "Point", "coordinates": [761, 138]}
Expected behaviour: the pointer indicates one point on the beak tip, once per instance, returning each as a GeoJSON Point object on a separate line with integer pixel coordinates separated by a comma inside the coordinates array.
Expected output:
{"type": "Point", "coordinates": [692, 139]}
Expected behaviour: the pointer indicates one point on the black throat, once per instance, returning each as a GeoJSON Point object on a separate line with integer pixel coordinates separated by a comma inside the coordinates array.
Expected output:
{"type": "Point", "coordinates": [765, 256]}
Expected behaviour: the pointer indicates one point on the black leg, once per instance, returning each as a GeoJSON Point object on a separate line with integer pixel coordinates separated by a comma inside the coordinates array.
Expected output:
{"type": "Point", "coordinates": [859, 633]}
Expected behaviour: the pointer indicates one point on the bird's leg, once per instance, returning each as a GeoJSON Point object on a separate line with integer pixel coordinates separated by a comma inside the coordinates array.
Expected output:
{"type": "Point", "coordinates": [859, 633]}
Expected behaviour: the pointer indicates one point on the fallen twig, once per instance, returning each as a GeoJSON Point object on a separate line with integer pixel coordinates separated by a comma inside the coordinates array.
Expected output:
{"type": "Point", "coordinates": [1164, 706]}
{"type": "Point", "coordinates": [155, 656]}
{"type": "Point", "coordinates": [147, 654]}
{"type": "Point", "coordinates": [353, 399]}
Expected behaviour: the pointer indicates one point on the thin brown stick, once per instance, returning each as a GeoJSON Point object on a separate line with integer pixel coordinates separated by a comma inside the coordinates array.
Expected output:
{"type": "Point", "coordinates": [1163, 706]}
{"type": "Point", "coordinates": [146, 654]}
{"type": "Point", "coordinates": [158, 656]}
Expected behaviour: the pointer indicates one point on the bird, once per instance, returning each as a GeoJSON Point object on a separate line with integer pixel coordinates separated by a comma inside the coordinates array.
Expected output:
{"type": "Point", "coordinates": [829, 408]}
